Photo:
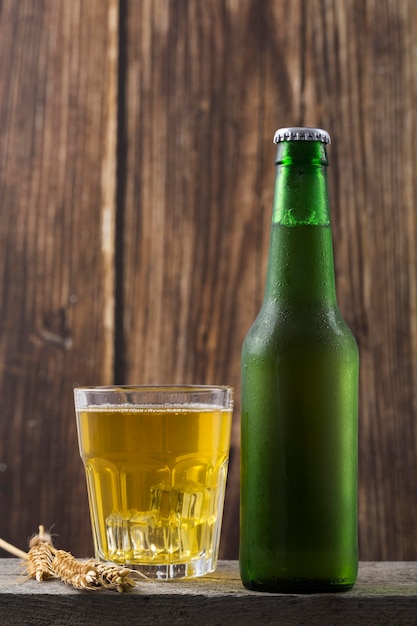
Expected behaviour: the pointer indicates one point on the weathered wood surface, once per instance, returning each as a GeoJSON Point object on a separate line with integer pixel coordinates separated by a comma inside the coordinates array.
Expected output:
{"type": "Point", "coordinates": [57, 175]}
{"type": "Point", "coordinates": [385, 594]}
{"type": "Point", "coordinates": [143, 260]}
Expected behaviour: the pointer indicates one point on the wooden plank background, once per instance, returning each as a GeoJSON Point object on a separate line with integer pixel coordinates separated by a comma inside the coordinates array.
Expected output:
{"type": "Point", "coordinates": [136, 182]}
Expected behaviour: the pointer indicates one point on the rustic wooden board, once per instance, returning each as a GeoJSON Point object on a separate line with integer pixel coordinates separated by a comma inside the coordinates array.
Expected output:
{"type": "Point", "coordinates": [206, 86]}
{"type": "Point", "coordinates": [57, 175]}
{"type": "Point", "coordinates": [143, 260]}
{"type": "Point", "coordinates": [385, 594]}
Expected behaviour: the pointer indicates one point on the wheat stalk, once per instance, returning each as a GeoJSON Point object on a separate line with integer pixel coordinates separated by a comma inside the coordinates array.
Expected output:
{"type": "Point", "coordinates": [5, 545]}
{"type": "Point", "coordinates": [44, 561]}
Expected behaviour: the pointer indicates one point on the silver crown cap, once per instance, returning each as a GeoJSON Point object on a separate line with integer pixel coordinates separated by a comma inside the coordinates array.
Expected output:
{"type": "Point", "coordinates": [299, 133]}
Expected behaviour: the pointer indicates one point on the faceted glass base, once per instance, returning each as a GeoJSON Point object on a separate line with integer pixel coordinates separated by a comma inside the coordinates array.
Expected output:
{"type": "Point", "coordinates": [174, 571]}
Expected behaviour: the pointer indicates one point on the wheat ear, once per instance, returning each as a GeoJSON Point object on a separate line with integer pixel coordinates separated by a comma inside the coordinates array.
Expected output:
{"type": "Point", "coordinates": [80, 575]}
{"type": "Point", "coordinates": [115, 577]}
{"type": "Point", "coordinates": [39, 562]}
{"type": "Point", "coordinates": [39, 557]}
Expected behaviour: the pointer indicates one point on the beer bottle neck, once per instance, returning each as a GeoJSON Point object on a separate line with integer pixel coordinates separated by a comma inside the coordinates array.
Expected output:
{"type": "Point", "coordinates": [300, 266]}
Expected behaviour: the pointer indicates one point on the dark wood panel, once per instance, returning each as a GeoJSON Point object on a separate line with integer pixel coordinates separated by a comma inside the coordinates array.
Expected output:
{"type": "Point", "coordinates": [207, 85]}
{"type": "Point", "coordinates": [201, 88]}
{"type": "Point", "coordinates": [359, 73]}
{"type": "Point", "coordinates": [200, 120]}
{"type": "Point", "coordinates": [56, 120]}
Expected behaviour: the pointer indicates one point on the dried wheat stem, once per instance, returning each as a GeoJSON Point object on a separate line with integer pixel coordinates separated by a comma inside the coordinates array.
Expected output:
{"type": "Point", "coordinates": [41, 537]}
{"type": "Point", "coordinates": [5, 545]}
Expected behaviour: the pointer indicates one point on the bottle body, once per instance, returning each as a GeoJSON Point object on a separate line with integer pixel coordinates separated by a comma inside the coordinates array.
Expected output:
{"type": "Point", "coordinates": [299, 419]}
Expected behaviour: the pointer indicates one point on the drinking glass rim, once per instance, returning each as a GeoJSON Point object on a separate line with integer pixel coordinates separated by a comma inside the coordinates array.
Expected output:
{"type": "Point", "coordinates": [155, 395]}
{"type": "Point", "coordinates": [162, 387]}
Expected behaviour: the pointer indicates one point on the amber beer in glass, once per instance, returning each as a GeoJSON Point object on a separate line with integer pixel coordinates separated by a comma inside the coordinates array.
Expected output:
{"type": "Point", "coordinates": [298, 527]}
{"type": "Point", "coordinates": [156, 463]}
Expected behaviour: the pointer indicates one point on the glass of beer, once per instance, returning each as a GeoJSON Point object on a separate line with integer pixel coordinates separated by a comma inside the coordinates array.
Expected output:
{"type": "Point", "coordinates": [156, 461]}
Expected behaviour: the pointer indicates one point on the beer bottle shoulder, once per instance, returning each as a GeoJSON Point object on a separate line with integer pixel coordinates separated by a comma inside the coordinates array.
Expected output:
{"type": "Point", "coordinates": [312, 328]}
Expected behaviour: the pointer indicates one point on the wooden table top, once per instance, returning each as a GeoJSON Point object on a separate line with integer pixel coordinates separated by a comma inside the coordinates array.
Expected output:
{"type": "Point", "coordinates": [385, 593]}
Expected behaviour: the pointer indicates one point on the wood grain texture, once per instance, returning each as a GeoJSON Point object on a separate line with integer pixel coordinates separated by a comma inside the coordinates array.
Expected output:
{"type": "Point", "coordinates": [207, 85]}
{"type": "Point", "coordinates": [385, 594]}
{"type": "Point", "coordinates": [144, 261]}
{"type": "Point", "coordinates": [368, 63]}
{"type": "Point", "coordinates": [200, 116]}
{"type": "Point", "coordinates": [56, 119]}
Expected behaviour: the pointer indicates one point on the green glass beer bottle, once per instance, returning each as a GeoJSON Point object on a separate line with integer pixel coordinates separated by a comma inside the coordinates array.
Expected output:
{"type": "Point", "coordinates": [298, 519]}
